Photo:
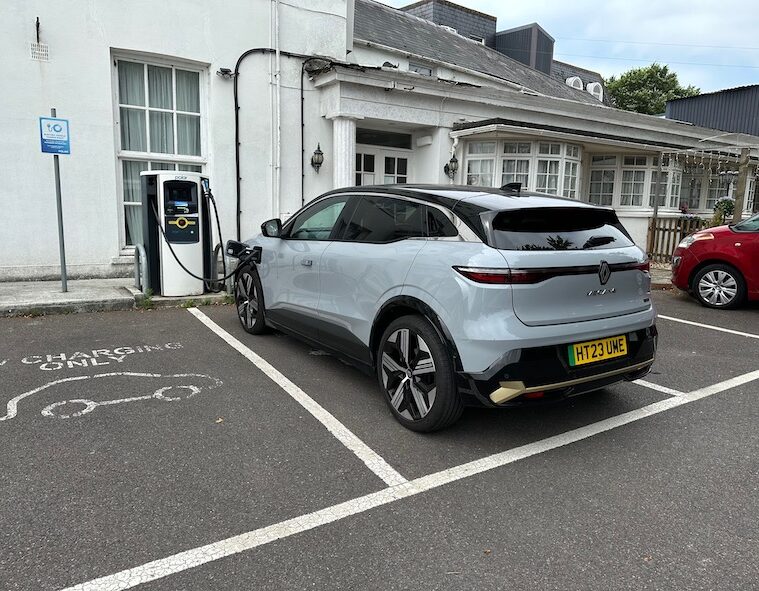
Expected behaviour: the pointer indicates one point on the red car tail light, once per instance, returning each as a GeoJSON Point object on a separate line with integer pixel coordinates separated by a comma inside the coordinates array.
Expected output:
{"type": "Point", "coordinates": [490, 276]}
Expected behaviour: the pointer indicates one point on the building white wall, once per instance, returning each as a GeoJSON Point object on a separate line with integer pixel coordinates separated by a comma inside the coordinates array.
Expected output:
{"type": "Point", "coordinates": [78, 81]}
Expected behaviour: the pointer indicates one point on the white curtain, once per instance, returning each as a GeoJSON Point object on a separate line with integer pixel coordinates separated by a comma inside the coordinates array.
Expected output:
{"type": "Point", "coordinates": [132, 92]}
{"type": "Point", "coordinates": [188, 91]}
{"type": "Point", "coordinates": [188, 99]}
{"type": "Point", "coordinates": [132, 194]}
{"type": "Point", "coordinates": [159, 88]}
{"type": "Point", "coordinates": [161, 132]}
{"type": "Point", "coordinates": [133, 130]}
{"type": "Point", "coordinates": [188, 134]}
{"type": "Point", "coordinates": [131, 83]}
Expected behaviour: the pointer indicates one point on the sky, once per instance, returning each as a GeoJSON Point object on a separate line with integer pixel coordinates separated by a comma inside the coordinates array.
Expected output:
{"type": "Point", "coordinates": [710, 44]}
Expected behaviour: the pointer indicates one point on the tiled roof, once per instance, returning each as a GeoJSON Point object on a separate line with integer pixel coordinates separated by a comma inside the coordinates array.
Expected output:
{"type": "Point", "coordinates": [562, 70]}
{"type": "Point", "coordinates": [381, 24]}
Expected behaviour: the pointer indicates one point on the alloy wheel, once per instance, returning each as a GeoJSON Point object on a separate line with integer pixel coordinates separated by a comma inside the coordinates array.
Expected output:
{"type": "Point", "coordinates": [246, 300]}
{"type": "Point", "coordinates": [408, 374]}
{"type": "Point", "coordinates": [717, 287]}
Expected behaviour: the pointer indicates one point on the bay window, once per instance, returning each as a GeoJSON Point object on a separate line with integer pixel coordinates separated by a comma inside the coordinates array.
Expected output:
{"type": "Point", "coordinates": [547, 167]}
{"type": "Point", "coordinates": [480, 163]}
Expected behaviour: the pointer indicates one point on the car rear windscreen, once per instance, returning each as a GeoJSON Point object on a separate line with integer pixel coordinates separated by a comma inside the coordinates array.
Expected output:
{"type": "Point", "coordinates": [558, 228]}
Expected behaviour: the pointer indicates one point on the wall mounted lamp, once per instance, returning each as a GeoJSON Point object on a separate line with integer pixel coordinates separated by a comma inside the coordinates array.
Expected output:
{"type": "Point", "coordinates": [451, 167]}
{"type": "Point", "coordinates": [317, 158]}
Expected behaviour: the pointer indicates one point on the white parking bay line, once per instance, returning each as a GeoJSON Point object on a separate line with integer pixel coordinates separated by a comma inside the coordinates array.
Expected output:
{"type": "Point", "coordinates": [188, 559]}
{"type": "Point", "coordinates": [372, 459]}
{"type": "Point", "coordinates": [719, 328]}
{"type": "Point", "coordinates": [658, 388]}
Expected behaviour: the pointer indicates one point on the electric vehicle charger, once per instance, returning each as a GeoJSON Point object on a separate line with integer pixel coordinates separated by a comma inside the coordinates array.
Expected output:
{"type": "Point", "coordinates": [177, 249]}
{"type": "Point", "coordinates": [213, 285]}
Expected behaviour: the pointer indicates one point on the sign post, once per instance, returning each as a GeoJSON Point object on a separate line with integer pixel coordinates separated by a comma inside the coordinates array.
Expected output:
{"type": "Point", "coordinates": [54, 139]}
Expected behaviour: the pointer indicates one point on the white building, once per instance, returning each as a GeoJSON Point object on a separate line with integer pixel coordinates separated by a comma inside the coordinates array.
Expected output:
{"type": "Point", "coordinates": [390, 98]}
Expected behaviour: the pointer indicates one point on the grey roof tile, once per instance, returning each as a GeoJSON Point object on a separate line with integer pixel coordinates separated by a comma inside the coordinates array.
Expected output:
{"type": "Point", "coordinates": [381, 24]}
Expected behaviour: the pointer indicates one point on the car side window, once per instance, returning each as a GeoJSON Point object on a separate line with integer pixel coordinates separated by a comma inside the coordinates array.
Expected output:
{"type": "Point", "coordinates": [385, 219]}
{"type": "Point", "coordinates": [439, 225]}
{"type": "Point", "coordinates": [316, 222]}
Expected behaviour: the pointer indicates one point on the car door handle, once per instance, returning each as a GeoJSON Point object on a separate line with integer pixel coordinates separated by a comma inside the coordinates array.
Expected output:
{"type": "Point", "coordinates": [306, 262]}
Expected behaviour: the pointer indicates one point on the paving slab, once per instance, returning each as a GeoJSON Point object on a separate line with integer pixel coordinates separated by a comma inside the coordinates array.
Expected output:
{"type": "Point", "coordinates": [45, 297]}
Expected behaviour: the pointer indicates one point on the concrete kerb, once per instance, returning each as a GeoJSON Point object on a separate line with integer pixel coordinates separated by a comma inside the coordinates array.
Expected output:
{"type": "Point", "coordinates": [141, 300]}
{"type": "Point", "coordinates": [39, 298]}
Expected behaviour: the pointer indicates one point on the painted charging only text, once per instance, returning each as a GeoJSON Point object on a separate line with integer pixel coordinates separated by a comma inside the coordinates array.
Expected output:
{"type": "Point", "coordinates": [92, 358]}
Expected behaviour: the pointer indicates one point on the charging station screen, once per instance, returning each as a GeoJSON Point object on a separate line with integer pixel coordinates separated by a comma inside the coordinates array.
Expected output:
{"type": "Point", "coordinates": [180, 197]}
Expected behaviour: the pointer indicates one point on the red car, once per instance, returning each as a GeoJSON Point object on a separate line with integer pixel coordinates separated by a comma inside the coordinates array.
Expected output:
{"type": "Point", "coordinates": [720, 266]}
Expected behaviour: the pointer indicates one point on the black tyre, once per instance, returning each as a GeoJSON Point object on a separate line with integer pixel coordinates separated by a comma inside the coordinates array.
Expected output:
{"type": "Point", "coordinates": [249, 300]}
{"type": "Point", "coordinates": [415, 371]}
{"type": "Point", "coordinates": [719, 286]}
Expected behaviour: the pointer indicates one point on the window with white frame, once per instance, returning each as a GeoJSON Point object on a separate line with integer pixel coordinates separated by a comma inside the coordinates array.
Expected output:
{"type": "Point", "coordinates": [515, 170]}
{"type": "Point", "coordinates": [633, 187]}
{"type": "Point", "coordinates": [691, 189]}
{"type": "Point", "coordinates": [480, 163]}
{"type": "Point", "coordinates": [550, 167]}
{"type": "Point", "coordinates": [634, 160]}
{"type": "Point", "coordinates": [719, 186]}
{"type": "Point", "coordinates": [547, 177]}
{"type": "Point", "coordinates": [159, 120]}
{"type": "Point", "coordinates": [662, 185]}
{"type": "Point", "coordinates": [515, 166]}
{"type": "Point", "coordinates": [602, 178]}
{"type": "Point", "coordinates": [364, 169]}
{"type": "Point", "coordinates": [603, 160]}
{"type": "Point", "coordinates": [570, 179]}
{"type": "Point", "coordinates": [751, 195]}
{"type": "Point", "coordinates": [676, 179]}
{"type": "Point", "coordinates": [549, 149]}
{"type": "Point", "coordinates": [601, 186]}
{"type": "Point", "coordinates": [633, 180]}
{"type": "Point", "coordinates": [547, 170]}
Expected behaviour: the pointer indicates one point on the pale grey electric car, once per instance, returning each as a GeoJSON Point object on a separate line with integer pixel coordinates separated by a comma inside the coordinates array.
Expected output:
{"type": "Point", "coordinates": [456, 295]}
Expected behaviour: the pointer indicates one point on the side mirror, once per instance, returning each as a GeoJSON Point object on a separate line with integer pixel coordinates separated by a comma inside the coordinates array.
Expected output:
{"type": "Point", "coordinates": [272, 228]}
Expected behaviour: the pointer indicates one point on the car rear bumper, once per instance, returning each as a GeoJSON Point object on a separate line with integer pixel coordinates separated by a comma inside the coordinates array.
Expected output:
{"type": "Point", "coordinates": [547, 370]}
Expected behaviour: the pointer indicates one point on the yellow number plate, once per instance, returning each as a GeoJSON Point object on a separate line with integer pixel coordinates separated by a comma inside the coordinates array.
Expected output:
{"type": "Point", "coordinates": [592, 351]}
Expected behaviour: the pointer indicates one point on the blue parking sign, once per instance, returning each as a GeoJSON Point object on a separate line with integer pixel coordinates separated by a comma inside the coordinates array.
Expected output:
{"type": "Point", "coordinates": [54, 135]}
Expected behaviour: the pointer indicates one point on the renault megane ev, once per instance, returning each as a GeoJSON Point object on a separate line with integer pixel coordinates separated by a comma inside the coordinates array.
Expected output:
{"type": "Point", "coordinates": [454, 295]}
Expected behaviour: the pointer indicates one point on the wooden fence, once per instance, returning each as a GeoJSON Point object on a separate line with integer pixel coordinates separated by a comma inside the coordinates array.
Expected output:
{"type": "Point", "coordinates": [664, 234]}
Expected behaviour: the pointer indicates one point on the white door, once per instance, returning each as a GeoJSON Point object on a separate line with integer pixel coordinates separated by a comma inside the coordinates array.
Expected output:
{"type": "Point", "coordinates": [378, 166]}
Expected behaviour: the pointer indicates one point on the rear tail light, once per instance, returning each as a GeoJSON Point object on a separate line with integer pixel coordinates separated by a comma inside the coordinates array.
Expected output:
{"type": "Point", "coordinates": [645, 266]}
{"type": "Point", "coordinates": [503, 276]}
{"type": "Point", "coordinates": [491, 276]}
{"type": "Point", "coordinates": [500, 276]}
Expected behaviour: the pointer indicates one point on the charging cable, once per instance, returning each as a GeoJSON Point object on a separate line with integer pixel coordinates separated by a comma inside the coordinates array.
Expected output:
{"type": "Point", "coordinates": [210, 283]}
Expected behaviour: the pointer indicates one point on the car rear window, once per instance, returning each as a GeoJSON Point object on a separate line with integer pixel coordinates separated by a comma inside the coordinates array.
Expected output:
{"type": "Point", "coordinates": [558, 228]}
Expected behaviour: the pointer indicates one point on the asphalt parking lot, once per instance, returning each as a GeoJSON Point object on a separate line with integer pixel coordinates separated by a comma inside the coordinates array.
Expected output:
{"type": "Point", "coordinates": [171, 450]}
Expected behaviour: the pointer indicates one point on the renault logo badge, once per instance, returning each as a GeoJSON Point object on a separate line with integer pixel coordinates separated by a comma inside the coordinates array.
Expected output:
{"type": "Point", "coordinates": [604, 272]}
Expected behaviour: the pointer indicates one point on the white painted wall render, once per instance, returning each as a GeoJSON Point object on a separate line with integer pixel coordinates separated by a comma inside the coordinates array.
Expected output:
{"type": "Point", "coordinates": [78, 81]}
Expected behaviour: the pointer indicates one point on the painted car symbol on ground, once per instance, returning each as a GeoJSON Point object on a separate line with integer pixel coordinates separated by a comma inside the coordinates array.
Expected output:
{"type": "Point", "coordinates": [77, 407]}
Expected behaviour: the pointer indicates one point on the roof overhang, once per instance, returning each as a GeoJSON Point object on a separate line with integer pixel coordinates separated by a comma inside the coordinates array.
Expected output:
{"type": "Point", "coordinates": [496, 128]}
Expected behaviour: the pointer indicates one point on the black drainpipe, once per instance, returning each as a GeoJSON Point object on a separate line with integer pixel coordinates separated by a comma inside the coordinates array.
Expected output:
{"type": "Point", "coordinates": [237, 121]}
